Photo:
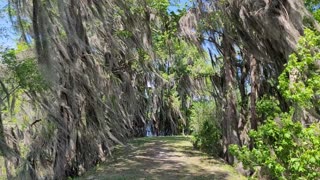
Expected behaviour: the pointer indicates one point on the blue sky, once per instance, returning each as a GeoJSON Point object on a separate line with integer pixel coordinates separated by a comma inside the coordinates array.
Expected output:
{"type": "Point", "coordinates": [180, 4]}
{"type": "Point", "coordinates": [7, 35]}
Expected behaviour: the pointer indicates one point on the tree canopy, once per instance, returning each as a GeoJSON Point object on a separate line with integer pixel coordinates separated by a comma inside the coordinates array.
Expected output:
{"type": "Point", "coordinates": [241, 77]}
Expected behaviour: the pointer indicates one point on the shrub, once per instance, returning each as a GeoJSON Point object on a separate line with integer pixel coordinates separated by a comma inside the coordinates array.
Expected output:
{"type": "Point", "coordinates": [206, 132]}
{"type": "Point", "coordinates": [284, 150]}
{"type": "Point", "coordinates": [208, 139]}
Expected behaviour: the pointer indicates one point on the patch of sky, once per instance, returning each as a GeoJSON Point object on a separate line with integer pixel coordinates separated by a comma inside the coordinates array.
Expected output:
{"type": "Point", "coordinates": [176, 5]}
{"type": "Point", "coordinates": [8, 35]}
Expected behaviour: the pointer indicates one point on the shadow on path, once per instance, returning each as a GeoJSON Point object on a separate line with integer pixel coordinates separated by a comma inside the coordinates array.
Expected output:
{"type": "Point", "coordinates": [162, 158]}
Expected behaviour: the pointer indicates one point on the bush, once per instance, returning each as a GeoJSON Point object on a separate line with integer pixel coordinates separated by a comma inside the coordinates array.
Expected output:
{"type": "Point", "coordinates": [206, 132]}
{"type": "Point", "coordinates": [268, 106]}
{"type": "Point", "coordinates": [208, 139]}
{"type": "Point", "coordinates": [283, 150]}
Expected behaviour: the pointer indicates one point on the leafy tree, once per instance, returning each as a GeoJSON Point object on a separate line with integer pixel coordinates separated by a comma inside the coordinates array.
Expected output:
{"type": "Point", "coordinates": [284, 147]}
{"type": "Point", "coordinates": [113, 65]}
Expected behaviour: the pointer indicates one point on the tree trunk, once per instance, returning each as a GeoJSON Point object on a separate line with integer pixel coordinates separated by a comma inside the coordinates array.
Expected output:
{"type": "Point", "coordinates": [254, 91]}
{"type": "Point", "coordinates": [253, 94]}
{"type": "Point", "coordinates": [229, 124]}
{"type": "Point", "coordinates": [4, 146]}
{"type": "Point", "coordinates": [60, 165]}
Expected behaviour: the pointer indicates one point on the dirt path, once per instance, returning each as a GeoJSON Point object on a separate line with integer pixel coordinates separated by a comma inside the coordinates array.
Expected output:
{"type": "Point", "coordinates": [162, 158]}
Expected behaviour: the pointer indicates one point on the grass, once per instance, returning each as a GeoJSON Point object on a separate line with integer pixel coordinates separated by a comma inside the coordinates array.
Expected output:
{"type": "Point", "coordinates": [161, 158]}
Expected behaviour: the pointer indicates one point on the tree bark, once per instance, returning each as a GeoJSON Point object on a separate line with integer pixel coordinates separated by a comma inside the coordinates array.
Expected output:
{"type": "Point", "coordinates": [254, 91]}
{"type": "Point", "coordinates": [3, 147]}
{"type": "Point", "coordinates": [253, 95]}
{"type": "Point", "coordinates": [60, 165]}
{"type": "Point", "coordinates": [229, 124]}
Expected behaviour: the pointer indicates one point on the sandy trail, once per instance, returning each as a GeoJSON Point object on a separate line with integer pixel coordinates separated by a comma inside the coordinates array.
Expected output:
{"type": "Point", "coordinates": [162, 158]}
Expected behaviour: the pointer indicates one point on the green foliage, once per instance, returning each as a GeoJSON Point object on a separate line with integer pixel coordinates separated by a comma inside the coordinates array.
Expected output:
{"type": "Point", "coordinates": [124, 33]}
{"type": "Point", "coordinates": [206, 132]}
{"type": "Point", "coordinates": [25, 71]}
{"type": "Point", "coordinates": [311, 4]}
{"type": "Point", "coordinates": [160, 5]}
{"type": "Point", "coordinates": [21, 75]}
{"type": "Point", "coordinates": [313, 7]}
{"type": "Point", "coordinates": [316, 15]}
{"type": "Point", "coordinates": [285, 150]}
{"type": "Point", "coordinates": [177, 62]}
{"type": "Point", "coordinates": [268, 107]}
{"type": "Point", "coordinates": [300, 81]}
